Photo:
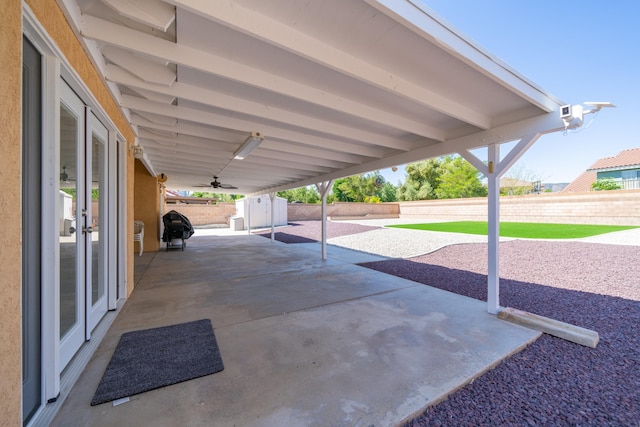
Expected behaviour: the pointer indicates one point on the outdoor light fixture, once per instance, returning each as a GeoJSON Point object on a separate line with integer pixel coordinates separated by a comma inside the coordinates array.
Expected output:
{"type": "Point", "coordinates": [138, 153]}
{"type": "Point", "coordinates": [250, 144]}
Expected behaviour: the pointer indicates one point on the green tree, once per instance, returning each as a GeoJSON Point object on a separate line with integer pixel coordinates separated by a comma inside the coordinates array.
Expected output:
{"type": "Point", "coordinates": [388, 192]}
{"type": "Point", "coordinates": [359, 188]}
{"type": "Point", "coordinates": [222, 197]}
{"type": "Point", "coordinates": [307, 194]}
{"type": "Point", "coordinates": [459, 179]}
{"type": "Point", "coordinates": [441, 178]}
{"type": "Point", "coordinates": [422, 179]}
{"type": "Point", "coordinates": [338, 194]}
{"type": "Point", "coordinates": [605, 184]}
{"type": "Point", "coordinates": [95, 193]}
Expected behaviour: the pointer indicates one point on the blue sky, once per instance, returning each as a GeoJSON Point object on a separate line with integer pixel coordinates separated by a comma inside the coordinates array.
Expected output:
{"type": "Point", "coordinates": [576, 50]}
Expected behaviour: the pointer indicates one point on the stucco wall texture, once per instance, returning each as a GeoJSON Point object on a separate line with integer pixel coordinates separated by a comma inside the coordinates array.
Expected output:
{"type": "Point", "coordinates": [54, 23]}
{"type": "Point", "coordinates": [10, 183]}
{"type": "Point", "coordinates": [52, 19]}
{"type": "Point", "coordinates": [147, 206]}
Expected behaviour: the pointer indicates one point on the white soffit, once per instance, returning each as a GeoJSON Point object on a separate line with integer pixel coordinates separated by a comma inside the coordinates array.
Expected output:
{"type": "Point", "coordinates": [336, 87]}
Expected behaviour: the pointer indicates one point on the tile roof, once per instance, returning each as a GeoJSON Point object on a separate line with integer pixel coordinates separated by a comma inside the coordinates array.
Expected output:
{"type": "Point", "coordinates": [581, 183]}
{"type": "Point", "coordinates": [625, 158]}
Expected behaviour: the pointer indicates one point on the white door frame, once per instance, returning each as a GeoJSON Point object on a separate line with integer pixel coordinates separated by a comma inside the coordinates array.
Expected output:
{"type": "Point", "coordinates": [55, 65]}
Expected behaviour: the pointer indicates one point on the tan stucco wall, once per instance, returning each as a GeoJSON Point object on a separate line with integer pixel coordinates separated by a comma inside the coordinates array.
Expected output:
{"type": "Point", "coordinates": [147, 206]}
{"type": "Point", "coordinates": [10, 258]}
{"type": "Point", "coordinates": [52, 19]}
{"type": "Point", "coordinates": [54, 23]}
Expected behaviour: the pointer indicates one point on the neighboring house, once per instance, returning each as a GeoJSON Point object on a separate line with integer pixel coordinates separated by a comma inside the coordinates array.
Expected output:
{"type": "Point", "coordinates": [515, 186]}
{"type": "Point", "coordinates": [623, 168]}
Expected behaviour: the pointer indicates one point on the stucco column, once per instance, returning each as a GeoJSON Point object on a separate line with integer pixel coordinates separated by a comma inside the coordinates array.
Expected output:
{"type": "Point", "coordinates": [10, 189]}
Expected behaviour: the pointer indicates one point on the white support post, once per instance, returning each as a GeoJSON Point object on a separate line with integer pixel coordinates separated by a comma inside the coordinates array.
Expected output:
{"type": "Point", "coordinates": [323, 189]}
{"type": "Point", "coordinates": [493, 283]}
{"type": "Point", "coordinates": [272, 197]}
{"type": "Point", "coordinates": [493, 170]}
{"type": "Point", "coordinates": [249, 217]}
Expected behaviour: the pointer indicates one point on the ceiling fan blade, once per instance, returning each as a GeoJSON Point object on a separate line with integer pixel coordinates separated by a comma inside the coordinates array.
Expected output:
{"type": "Point", "coordinates": [227, 186]}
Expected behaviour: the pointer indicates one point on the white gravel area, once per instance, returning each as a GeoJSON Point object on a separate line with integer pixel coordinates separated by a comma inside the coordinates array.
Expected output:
{"type": "Point", "coordinates": [625, 237]}
{"type": "Point", "coordinates": [403, 243]}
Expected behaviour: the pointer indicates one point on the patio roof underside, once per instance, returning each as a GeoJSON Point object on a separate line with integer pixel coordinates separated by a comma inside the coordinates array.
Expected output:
{"type": "Point", "coordinates": [336, 87]}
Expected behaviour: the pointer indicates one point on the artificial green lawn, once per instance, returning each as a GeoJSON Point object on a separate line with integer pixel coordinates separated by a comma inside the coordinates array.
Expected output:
{"type": "Point", "coordinates": [525, 230]}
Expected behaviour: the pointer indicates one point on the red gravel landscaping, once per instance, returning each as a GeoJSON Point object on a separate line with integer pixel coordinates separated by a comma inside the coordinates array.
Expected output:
{"type": "Point", "coordinates": [552, 382]}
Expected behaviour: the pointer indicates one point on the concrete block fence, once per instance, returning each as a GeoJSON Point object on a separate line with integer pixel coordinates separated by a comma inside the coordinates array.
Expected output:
{"type": "Point", "coordinates": [619, 207]}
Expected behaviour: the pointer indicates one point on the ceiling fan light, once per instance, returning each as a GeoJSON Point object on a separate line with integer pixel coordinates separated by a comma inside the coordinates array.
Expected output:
{"type": "Point", "coordinates": [250, 144]}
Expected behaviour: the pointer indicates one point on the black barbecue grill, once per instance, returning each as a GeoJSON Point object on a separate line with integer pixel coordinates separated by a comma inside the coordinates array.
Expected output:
{"type": "Point", "coordinates": [177, 229]}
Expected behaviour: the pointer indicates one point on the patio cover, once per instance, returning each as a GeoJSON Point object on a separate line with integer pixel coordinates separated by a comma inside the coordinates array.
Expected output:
{"type": "Point", "coordinates": [335, 87]}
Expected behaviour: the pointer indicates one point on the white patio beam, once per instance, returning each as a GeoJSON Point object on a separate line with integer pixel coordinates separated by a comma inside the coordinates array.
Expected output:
{"type": "Point", "coordinates": [542, 124]}
{"type": "Point", "coordinates": [203, 169]}
{"type": "Point", "coordinates": [98, 29]}
{"type": "Point", "coordinates": [190, 142]}
{"type": "Point", "coordinates": [141, 106]}
{"type": "Point", "coordinates": [262, 27]}
{"type": "Point", "coordinates": [154, 96]}
{"type": "Point", "coordinates": [143, 68]}
{"type": "Point", "coordinates": [185, 128]}
{"type": "Point", "coordinates": [206, 132]}
{"type": "Point", "coordinates": [234, 104]}
{"type": "Point", "coordinates": [154, 13]}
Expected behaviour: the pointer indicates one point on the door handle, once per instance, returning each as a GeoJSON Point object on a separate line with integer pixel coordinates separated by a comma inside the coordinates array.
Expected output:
{"type": "Point", "coordinates": [87, 229]}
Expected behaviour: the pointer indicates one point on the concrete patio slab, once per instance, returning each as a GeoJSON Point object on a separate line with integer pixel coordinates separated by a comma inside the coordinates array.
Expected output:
{"type": "Point", "coordinates": [304, 342]}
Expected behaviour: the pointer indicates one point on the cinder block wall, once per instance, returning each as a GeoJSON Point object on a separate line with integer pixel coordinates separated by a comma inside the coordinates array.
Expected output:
{"type": "Point", "coordinates": [205, 214]}
{"type": "Point", "coordinates": [307, 212]}
{"type": "Point", "coordinates": [621, 207]}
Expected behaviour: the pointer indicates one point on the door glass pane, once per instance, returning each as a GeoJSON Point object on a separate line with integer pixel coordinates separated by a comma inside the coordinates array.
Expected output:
{"type": "Point", "coordinates": [69, 309]}
{"type": "Point", "coordinates": [97, 253]}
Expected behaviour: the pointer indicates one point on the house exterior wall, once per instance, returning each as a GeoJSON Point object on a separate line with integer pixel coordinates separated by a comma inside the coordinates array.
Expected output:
{"type": "Point", "coordinates": [54, 23]}
{"type": "Point", "coordinates": [146, 206]}
{"type": "Point", "coordinates": [10, 184]}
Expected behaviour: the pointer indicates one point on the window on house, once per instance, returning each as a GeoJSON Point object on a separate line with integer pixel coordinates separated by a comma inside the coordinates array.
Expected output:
{"type": "Point", "coordinates": [634, 174]}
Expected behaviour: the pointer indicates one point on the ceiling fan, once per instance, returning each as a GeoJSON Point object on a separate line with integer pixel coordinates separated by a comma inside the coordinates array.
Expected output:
{"type": "Point", "coordinates": [217, 184]}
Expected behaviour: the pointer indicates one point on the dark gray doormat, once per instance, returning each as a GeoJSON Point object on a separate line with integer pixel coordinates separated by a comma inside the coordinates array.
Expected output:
{"type": "Point", "coordinates": [153, 358]}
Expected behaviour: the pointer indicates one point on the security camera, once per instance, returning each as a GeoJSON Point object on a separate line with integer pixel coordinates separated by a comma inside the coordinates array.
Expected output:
{"type": "Point", "coordinates": [565, 112]}
{"type": "Point", "coordinates": [571, 114]}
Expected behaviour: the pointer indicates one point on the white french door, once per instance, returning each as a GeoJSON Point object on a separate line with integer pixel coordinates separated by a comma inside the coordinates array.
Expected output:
{"type": "Point", "coordinates": [96, 223]}
{"type": "Point", "coordinates": [83, 172]}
